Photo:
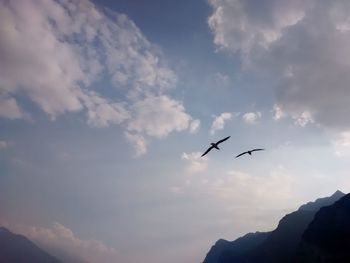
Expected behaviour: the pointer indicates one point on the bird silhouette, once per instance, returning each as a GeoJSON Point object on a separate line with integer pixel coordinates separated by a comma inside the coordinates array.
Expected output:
{"type": "Point", "coordinates": [249, 152]}
{"type": "Point", "coordinates": [215, 145]}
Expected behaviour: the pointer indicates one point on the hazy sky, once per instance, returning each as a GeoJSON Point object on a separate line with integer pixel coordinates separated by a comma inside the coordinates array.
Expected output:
{"type": "Point", "coordinates": [106, 106]}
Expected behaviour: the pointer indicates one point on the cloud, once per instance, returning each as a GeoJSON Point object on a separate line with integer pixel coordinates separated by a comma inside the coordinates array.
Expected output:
{"type": "Point", "coordinates": [10, 109]}
{"type": "Point", "coordinates": [34, 59]}
{"type": "Point", "coordinates": [303, 45]}
{"type": "Point", "coordinates": [195, 163]}
{"type": "Point", "coordinates": [243, 26]}
{"type": "Point", "coordinates": [341, 144]}
{"type": "Point", "coordinates": [250, 190]}
{"type": "Point", "coordinates": [157, 116]}
{"type": "Point", "coordinates": [138, 141]}
{"type": "Point", "coordinates": [300, 118]}
{"type": "Point", "coordinates": [102, 112]}
{"type": "Point", "coordinates": [54, 53]}
{"type": "Point", "coordinates": [344, 139]}
{"type": "Point", "coordinates": [195, 125]}
{"type": "Point", "coordinates": [278, 113]}
{"type": "Point", "coordinates": [304, 118]}
{"type": "Point", "coordinates": [251, 117]}
{"type": "Point", "coordinates": [61, 242]}
{"type": "Point", "coordinates": [219, 121]}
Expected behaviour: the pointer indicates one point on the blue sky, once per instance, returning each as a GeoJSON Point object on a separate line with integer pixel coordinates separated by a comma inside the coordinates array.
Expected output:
{"type": "Point", "coordinates": [106, 106]}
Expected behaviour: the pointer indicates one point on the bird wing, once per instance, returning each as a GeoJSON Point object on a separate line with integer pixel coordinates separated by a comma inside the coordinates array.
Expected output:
{"type": "Point", "coordinates": [241, 154]}
{"type": "Point", "coordinates": [208, 150]}
{"type": "Point", "coordinates": [223, 140]}
{"type": "Point", "coordinates": [257, 150]}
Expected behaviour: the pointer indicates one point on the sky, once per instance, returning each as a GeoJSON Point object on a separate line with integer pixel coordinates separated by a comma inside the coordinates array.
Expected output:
{"type": "Point", "coordinates": [106, 107]}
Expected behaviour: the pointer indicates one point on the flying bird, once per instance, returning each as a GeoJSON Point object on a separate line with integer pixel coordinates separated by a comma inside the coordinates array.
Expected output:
{"type": "Point", "coordinates": [215, 145]}
{"type": "Point", "coordinates": [249, 152]}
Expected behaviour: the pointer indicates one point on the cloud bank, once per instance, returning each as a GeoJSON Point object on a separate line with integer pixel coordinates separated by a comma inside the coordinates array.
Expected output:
{"type": "Point", "coordinates": [302, 45]}
{"type": "Point", "coordinates": [61, 242]}
{"type": "Point", "coordinates": [55, 52]}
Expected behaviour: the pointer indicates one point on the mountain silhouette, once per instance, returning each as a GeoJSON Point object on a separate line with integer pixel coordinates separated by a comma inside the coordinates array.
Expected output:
{"type": "Point", "coordinates": [327, 238]}
{"type": "Point", "coordinates": [279, 245]}
{"type": "Point", "coordinates": [321, 202]}
{"type": "Point", "coordinates": [234, 251]}
{"type": "Point", "coordinates": [18, 249]}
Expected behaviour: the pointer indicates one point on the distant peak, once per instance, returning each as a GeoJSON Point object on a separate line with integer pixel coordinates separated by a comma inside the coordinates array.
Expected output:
{"type": "Point", "coordinates": [338, 193]}
{"type": "Point", "coordinates": [221, 241]}
{"type": "Point", "coordinates": [320, 202]}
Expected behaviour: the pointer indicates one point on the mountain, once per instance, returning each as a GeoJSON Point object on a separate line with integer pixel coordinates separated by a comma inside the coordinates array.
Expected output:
{"type": "Point", "coordinates": [327, 238]}
{"type": "Point", "coordinates": [232, 251]}
{"type": "Point", "coordinates": [283, 242]}
{"type": "Point", "coordinates": [18, 249]}
{"type": "Point", "coordinates": [321, 202]}
{"type": "Point", "coordinates": [280, 245]}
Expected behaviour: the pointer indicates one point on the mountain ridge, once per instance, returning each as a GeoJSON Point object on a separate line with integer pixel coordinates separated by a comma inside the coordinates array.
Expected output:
{"type": "Point", "coordinates": [16, 248]}
{"type": "Point", "coordinates": [327, 238]}
{"type": "Point", "coordinates": [279, 245]}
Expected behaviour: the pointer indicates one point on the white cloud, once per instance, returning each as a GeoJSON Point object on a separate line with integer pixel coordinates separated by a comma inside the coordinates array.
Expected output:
{"type": "Point", "coordinates": [219, 121]}
{"type": "Point", "coordinates": [35, 60]}
{"type": "Point", "coordinates": [10, 109]}
{"type": "Point", "coordinates": [303, 119]}
{"type": "Point", "coordinates": [278, 113]}
{"type": "Point", "coordinates": [251, 117]}
{"type": "Point", "coordinates": [61, 242]}
{"type": "Point", "coordinates": [303, 45]}
{"type": "Point", "coordinates": [157, 116]}
{"type": "Point", "coordinates": [102, 113]}
{"type": "Point", "coordinates": [53, 51]}
{"type": "Point", "coordinates": [195, 125]}
{"type": "Point", "coordinates": [300, 118]}
{"type": "Point", "coordinates": [138, 141]}
{"type": "Point", "coordinates": [195, 163]}
{"type": "Point", "coordinates": [41, 57]}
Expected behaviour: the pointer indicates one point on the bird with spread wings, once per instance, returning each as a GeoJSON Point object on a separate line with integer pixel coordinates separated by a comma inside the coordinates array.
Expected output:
{"type": "Point", "coordinates": [215, 145]}
{"type": "Point", "coordinates": [249, 152]}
